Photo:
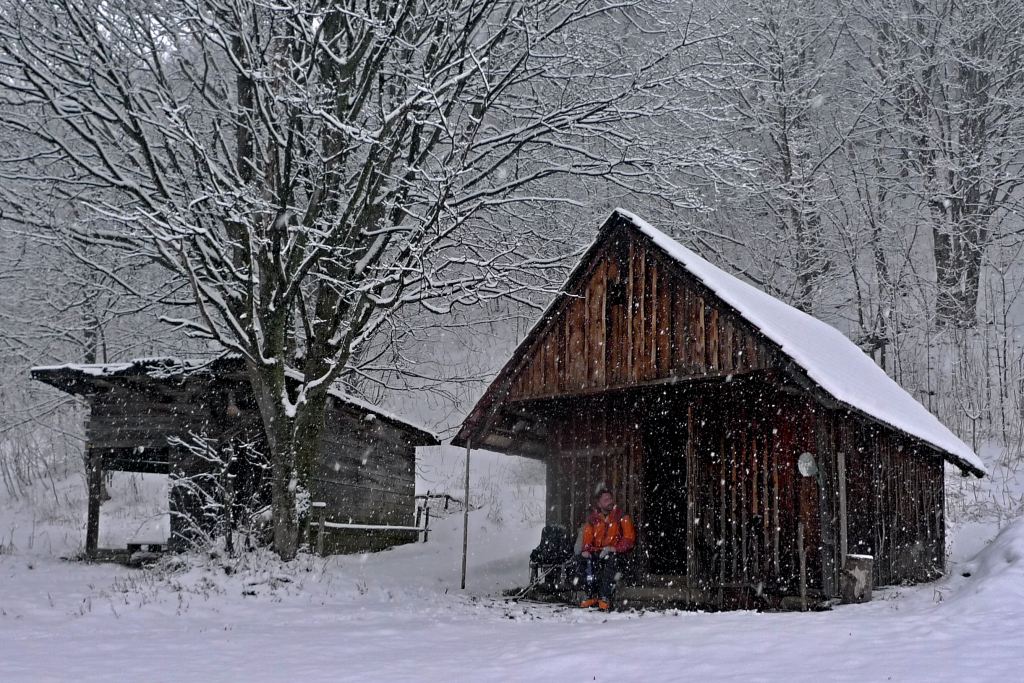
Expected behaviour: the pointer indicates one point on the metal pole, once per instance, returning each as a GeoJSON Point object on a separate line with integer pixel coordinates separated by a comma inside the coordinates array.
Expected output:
{"type": "Point", "coordinates": [465, 519]}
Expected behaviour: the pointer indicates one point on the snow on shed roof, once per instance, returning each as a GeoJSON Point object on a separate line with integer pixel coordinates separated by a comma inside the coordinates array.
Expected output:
{"type": "Point", "coordinates": [72, 377]}
{"type": "Point", "coordinates": [828, 357]}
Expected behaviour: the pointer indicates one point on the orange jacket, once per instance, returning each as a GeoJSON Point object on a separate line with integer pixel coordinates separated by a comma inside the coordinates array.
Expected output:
{"type": "Point", "coordinates": [614, 529]}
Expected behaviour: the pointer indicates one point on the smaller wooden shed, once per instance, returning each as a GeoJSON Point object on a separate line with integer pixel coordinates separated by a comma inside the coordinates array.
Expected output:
{"type": "Point", "coordinates": [756, 446]}
{"type": "Point", "coordinates": [143, 413]}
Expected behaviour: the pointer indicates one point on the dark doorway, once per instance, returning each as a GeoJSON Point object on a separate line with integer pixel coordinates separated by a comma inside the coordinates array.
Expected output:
{"type": "Point", "coordinates": [663, 528]}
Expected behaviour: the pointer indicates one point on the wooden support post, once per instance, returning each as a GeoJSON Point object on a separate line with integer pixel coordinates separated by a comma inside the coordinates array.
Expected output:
{"type": "Point", "coordinates": [419, 511]}
{"type": "Point", "coordinates": [426, 526]}
{"type": "Point", "coordinates": [841, 474]}
{"type": "Point", "coordinates": [691, 500]}
{"type": "Point", "coordinates": [828, 507]}
{"type": "Point", "coordinates": [94, 483]}
{"type": "Point", "coordinates": [320, 512]}
{"type": "Point", "coordinates": [465, 518]}
{"type": "Point", "coordinates": [803, 565]}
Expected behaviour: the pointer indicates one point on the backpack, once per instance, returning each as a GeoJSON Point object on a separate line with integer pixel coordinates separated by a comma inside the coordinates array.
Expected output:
{"type": "Point", "coordinates": [555, 546]}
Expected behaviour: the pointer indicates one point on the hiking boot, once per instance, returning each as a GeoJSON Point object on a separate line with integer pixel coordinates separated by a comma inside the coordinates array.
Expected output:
{"type": "Point", "coordinates": [603, 605]}
{"type": "Point", "coordinates": [589, 602]}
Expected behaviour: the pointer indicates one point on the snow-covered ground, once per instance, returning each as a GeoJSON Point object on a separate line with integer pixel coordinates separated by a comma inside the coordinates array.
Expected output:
{"type": "Point", "coordinates": [399, 615]}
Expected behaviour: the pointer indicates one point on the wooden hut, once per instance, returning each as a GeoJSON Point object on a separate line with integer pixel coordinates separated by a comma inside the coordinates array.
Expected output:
{"type": "Point", "coordinates": [756, 447]}
{"type": "Point", "coordinates": [145, 416]}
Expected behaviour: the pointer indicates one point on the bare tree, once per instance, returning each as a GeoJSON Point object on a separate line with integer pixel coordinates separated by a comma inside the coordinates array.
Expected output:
{"type": "Point", "coordinates": [951, 80]}
{"type": "Point", "coordinates": [783, 65]}
{"type": "Point", "coordinates": [313, 169]}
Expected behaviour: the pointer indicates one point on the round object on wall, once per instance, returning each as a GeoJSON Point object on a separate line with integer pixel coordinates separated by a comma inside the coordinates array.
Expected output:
{"type": "Point", "coordinates": [807, 465]}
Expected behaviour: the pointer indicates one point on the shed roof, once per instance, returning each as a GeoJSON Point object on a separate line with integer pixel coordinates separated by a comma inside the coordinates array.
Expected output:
{"type": "Point", "coordinates": [83, 379]}
{"type": "Point", "coordinates": [827, 357]}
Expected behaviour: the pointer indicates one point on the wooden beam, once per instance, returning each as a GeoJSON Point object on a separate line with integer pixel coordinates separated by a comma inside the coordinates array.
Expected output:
{"type": "Point", "coordinates": [681, 381]}
{"type": "Point", "coordinates": [841, 475]}
{"type": "Point", "coordinates": [94, 481]}
{"type": "Point", "coordinates": [691, 500]}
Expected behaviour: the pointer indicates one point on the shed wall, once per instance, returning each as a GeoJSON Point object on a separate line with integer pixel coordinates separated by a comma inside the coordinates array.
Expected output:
{"type": "Point", "coordinates": [743, 498]}
{"type": "Point", "coordinates": [636, 317]}
{"type": "Point", "coordinates": [748, 506]}
{"type": "Point", "coordinates": [896, 501]}
{"type": "Point", "coordinates": [366, 470]}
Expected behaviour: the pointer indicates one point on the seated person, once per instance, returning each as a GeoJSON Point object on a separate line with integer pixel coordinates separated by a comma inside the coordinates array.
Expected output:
{"type": "Point", "coordinates": [607, 535]}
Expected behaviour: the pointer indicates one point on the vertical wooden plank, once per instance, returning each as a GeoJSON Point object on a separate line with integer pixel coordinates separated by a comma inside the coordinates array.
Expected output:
{"type": "Point", "coordinates": [752, 359]}
{"type": "Point", "coordinates": [843, 524]}
{"type": "Point", "coordinates": [939, 492]}
{"type": "Point", "coordinates": [744, 553]}
{"type": "Point", "coordinates": [576, 360]}
{"type": "Point", "coordinates": [551, 378]}
{"type": "Point", "coordinates": [738, 345]}
{"type": "Point", "coordinates": [776, 525]}
{"type": "Point", "coordinates": [680, 317]}
{"type": "Point", "coordinates": [532, 384]}
{"type": "Point", "coordinates": [827, 518]}
{"type": "Point", "coordinates": [711, 332]}
{"type": "Point", "coordinates": [691, 332]}
{"type": "Point", "coordinates": [720, 447]}
{"type": "Point", "coordinates": [613, 346]}
{"type": "Point", "coordinates": [725, 356]}
{"type": "Point", "coordinates": [596, 327]}
{"type": "Point", "coordinates": [636, 286]}
{"type": "Point", "coordinates": [663, 323]}
{"type": "Point", "coordinates": [692, 475]}
{"type": "Point", "coordinates": [734, 457]}
{"type": "Point", "coordinates": [650, 341]}
{"type": "Point", "coordinates": [650, 318]}
{"type": "Point", "coordinates": [614, 297]}
{"type": "Point", "coordinates": [700, 334]}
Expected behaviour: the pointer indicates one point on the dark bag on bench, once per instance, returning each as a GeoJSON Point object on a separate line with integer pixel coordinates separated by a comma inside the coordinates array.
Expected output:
{"type": "Point", "coordinates": [555, 546]}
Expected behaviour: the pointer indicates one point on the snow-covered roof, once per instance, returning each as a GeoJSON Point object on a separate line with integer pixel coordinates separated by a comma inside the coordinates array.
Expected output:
{"type": "Point", "coordinates": [73, 377]}
{"type": "Point", "coordinates": [828, 357]}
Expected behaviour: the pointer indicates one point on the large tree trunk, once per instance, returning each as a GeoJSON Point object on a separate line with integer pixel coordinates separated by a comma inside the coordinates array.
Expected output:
{"type": "Point", "coordinates": [268, 387]}
{"type": "Point", "coordinates": [293, 438]}
{"type": "Point", "coordinates": [958, 249]}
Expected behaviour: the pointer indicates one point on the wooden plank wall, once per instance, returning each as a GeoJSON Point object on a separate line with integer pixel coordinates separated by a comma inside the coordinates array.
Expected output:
{"type": "Point", "coordinates": [596, 442]}
{"type": "Point", "coordinates": [636, 317]}
{"type": "Point", "coordinates": [128, 416]}
{"type": "Point", "coordinates": [747, 495]}
{"type": "Point", "coordinates": [366, 470]}
{"type": "Point", "coordinates": [895, 494]}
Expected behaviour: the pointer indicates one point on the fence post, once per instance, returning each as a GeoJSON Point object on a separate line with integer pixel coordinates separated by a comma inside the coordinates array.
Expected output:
{"type": "Point", "coordinates": [465, 518]}
{"type": "Point", "coordinates": [419, 514]}
{"type": "Point", "coordinates": [426, 525]}
{"type": "Point", "coordinates": [320, 510]}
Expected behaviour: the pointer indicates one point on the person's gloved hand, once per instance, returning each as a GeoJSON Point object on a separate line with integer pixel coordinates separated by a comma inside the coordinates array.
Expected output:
{"type": "Point", "coordinates": [606, 551]}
